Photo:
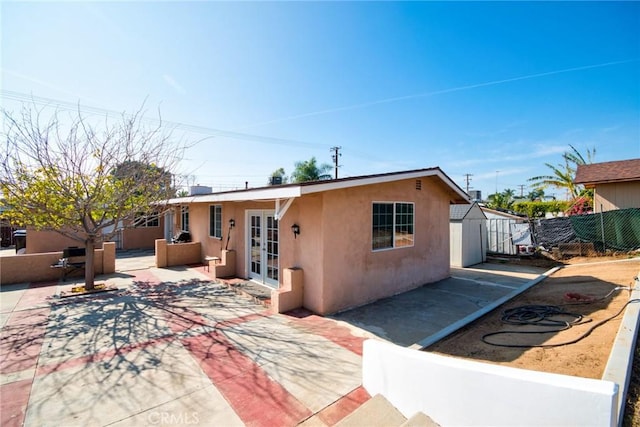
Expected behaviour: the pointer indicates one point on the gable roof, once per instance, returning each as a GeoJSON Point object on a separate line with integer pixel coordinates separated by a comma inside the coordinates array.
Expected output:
{"type": "Point", "coordinates": [608, 172]}
{"type": "Point", "coordinates": [285, 191]}
{"type": "Point", "coordinates": [458, 212]}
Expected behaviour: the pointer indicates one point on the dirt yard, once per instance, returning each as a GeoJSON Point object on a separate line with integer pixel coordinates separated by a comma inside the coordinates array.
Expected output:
{"type": "Point", "coordinates": [585, 287]}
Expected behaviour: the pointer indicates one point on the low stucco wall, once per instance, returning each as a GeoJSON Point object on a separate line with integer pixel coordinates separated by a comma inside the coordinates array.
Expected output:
{"type": "Point", "coordinates": [143, 237]}
{"type": "Point", "coordinates": [455, 391]}
{"type": "Point", "coordinates": [290, 295]}
{"type": "Point", "coordinates": [168, 255]}
{"type": "Point", "coordinates": [226, 266]}
{"type": "Point", "coordinates": [37, 267]}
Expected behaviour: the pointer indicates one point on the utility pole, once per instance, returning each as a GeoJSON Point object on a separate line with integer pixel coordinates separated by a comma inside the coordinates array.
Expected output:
{"type": "Point", "coordinates": [336, 154]}
{"type": "Point", "coordinates": [521, 190]}
{"type": "Point", "coordinates": [467, 178]}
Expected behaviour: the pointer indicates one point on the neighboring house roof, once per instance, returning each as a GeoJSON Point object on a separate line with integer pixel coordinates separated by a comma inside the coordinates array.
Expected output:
{"type": "Point", "coordinates": [608, 172]}
{"type": "Point", "coordinates": [286, 191]}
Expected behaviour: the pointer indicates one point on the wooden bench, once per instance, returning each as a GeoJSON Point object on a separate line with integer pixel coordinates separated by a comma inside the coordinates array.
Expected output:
{"type": "Point", "coordinates": [72, 260]}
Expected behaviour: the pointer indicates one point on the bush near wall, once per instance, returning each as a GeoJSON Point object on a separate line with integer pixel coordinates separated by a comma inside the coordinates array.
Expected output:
{"type": "Point", "coordinates": [540, 209]}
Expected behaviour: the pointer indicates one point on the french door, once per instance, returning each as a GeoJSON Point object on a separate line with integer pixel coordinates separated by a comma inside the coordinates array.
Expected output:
{"type": "Point", "coordinates": [262, 247]}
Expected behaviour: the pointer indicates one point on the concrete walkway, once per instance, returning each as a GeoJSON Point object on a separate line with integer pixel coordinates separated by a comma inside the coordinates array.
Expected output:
{"type": "Point", "coordinates": [409, 318]}
{"type": "Point", "coordinates": [172, 347]}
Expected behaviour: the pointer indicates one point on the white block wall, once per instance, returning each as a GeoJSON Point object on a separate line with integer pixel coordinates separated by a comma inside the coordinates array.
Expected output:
{"type": "Point", "coordinates": [457, 392]}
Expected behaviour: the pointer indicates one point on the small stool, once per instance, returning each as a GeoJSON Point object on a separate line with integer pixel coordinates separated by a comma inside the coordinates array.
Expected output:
{"type": "Point", "coordinates": [208, 259]}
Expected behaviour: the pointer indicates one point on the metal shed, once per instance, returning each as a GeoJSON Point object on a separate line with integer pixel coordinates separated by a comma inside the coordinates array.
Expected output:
{"type": "Point", "coordinates": [467, 235]}
{"type": "Point", "coordinates": [506, 232]}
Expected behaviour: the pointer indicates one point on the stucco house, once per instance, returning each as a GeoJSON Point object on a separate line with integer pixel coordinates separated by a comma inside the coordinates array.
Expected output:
{"type": "Point", "coordinates": [142, 234]}
{"type": "Point", "coordinates": [616, 185]}
{"type": "Point", "coordinates": [345, 242]}
{"type": "Point", "coordinates": [468, 235]}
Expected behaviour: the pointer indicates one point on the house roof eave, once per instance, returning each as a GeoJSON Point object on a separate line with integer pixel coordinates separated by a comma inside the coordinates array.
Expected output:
{"type": "Point", "coordinates": [613, 172]}
{"type": "Point", "coordinates": [288, 191]}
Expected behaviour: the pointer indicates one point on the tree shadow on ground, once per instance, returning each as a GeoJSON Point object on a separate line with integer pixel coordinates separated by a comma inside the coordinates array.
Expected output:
{"type": "Point", "coordinates": [148, 345]}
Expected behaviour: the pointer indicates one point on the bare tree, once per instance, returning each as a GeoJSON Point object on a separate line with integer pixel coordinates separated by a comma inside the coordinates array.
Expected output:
{"type": "Point", "coordinates": [84, 176]}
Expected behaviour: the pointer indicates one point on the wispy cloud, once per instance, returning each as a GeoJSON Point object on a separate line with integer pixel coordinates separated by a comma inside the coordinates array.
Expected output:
{"type": "Point", "coordinates": [440, 92]}
{"type": "Point", "coordinates": [48, 85]}
{"type": "Point", "coordinates": [174, 84]}
{"type": "Point", "coordinates": [533, 151]}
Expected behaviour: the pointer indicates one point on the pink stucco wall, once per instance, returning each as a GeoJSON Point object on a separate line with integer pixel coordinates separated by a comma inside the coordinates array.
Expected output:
{"type": "Point", "coordinates": [39, 241]}
{"type": "Point", "coordinates": [48, 241]}
{"type": "Point", "coordinates": [334, 246]}
{"type": "Point", "coordinates": [37, 267]}
{"type": "Point", "coordinates": [342, 271]}
{"type": "Point", "coordinates": [142, 237]}
{"type": "Point", "coordinates": [213, 246]}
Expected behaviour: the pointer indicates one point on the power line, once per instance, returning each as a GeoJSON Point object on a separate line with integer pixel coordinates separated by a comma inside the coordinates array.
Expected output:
{"type": "Point", "coordinates": [203, 130]}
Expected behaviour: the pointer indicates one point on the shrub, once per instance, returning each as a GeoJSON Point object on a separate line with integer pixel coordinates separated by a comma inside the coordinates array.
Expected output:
{"type": "Point", "coordinates": [540, 209]}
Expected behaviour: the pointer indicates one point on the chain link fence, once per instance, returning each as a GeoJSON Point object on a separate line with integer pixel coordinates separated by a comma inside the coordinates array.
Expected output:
{"type": "Point", "coordinates": [617, 230]}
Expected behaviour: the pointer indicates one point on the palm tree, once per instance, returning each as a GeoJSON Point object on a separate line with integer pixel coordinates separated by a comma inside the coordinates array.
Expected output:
{"type": "Point", "coordinates": [564, 174]}
{"type": "Point", "coordinates": [309, 170]}
{"type": "Point", "coordinates": [535, 194]}
{"type": "Point", "coordinates": [502, 200]}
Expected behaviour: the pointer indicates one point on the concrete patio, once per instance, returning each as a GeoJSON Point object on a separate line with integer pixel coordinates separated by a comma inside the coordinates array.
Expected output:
{"type": "Point", "coordinates": [172, 347]}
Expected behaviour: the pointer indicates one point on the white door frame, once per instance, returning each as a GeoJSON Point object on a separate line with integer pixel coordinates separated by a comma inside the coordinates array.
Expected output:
{"type": "Point", "coordinates": [263, 264]}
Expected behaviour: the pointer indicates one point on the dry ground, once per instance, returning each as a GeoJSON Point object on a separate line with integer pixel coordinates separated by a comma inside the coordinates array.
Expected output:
{"type": "Point", "coordinates": [591, 280]}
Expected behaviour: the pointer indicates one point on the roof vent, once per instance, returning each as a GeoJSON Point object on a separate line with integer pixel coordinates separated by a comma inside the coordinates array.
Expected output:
{"type": "Point", "coordinates": [418, 184]}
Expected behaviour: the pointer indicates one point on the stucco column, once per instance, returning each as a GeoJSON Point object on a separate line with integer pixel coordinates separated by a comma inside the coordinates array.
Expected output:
{"type": "Point", "coordinates": [290, 295]}
{"type": "Point", "coordinates": [108, 257]}
{"type": "Point", "coordinates": [227, 266]}
{"type": "Point", "coordinates": [161, 253]}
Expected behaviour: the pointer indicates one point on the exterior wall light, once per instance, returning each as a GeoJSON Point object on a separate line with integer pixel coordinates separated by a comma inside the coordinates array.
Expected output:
{"type": "Point", "coordinates": [232, 223]}
{"type": "Point", "coordinates": [296, 230]}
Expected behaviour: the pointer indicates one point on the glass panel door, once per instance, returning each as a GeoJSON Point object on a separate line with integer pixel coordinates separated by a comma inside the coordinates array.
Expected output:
{"type": "Point", "coordinates": [263, 247]}
{"type": "Point", "coordinates": [272, 250]}
{"type": "Point", "coordinates": [255, 244]}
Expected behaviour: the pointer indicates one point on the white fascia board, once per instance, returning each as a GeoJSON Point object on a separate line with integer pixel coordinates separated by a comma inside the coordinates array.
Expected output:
{"type": "Point", "coordinates": [288, 192]}
{"type": "Point", "coordinates": [241, 196]}
{"type": "Point", "coordinates": [453, 186]}
{"type": "Point", "coordinates": [317, 188]}
{"type": "Point", "coordinates": [177, 201]}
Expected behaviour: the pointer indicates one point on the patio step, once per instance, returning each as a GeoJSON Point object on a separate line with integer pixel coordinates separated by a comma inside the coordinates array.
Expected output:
{"type": "Point", "coordinates": [379, 412]}
{"type": "Point", "coordinates": [259, 294]}
{"type": "Point", "coordinates": [420, 419]}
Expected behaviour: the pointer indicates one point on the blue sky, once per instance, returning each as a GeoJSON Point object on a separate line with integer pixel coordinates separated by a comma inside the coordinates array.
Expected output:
{"type": "Point", "coordinates": [495, 90]}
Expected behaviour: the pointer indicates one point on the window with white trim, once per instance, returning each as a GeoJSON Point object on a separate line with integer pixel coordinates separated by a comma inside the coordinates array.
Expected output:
{"type": "Point", "coordinates": [144, 221]}
{"type": "Point", "coordinates": [392, 225]}
{"type": "Point", "coordinates": [185, 218]}
{"type": "Point", "coordinates": [215, 221]}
